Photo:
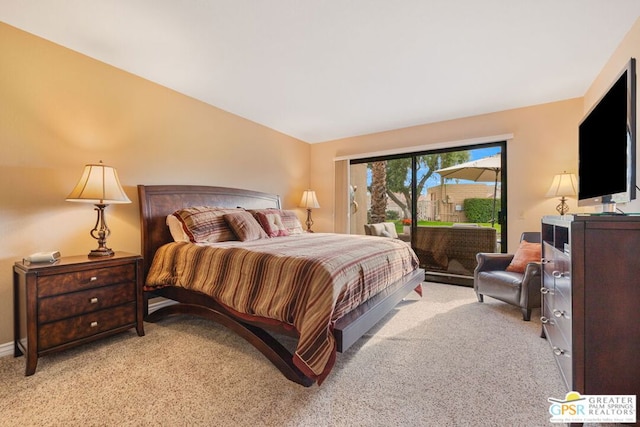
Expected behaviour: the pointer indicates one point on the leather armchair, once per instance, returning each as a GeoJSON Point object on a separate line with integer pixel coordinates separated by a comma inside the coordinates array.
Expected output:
{"type": "Point", "coordinates": [521, 290]}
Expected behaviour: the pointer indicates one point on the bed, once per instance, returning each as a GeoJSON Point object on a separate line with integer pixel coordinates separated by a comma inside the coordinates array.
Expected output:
{"type": "Point", "coordinates": [259, 329]}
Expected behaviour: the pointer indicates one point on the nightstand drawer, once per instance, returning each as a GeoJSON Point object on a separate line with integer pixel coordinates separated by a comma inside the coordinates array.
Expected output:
{"type": "Point", "coordinates": [64, 331]}
{"type": "Point", "coordinates": [73, 304]}
{"type": "Point", "coordinates": [84, 279]}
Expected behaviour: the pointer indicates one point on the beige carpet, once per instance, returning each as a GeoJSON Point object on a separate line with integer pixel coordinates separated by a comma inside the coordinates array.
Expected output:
{"type": "Point", "coordinates": [443, 360]}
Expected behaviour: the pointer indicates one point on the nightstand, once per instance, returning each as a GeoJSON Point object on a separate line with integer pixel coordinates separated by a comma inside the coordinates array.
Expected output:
{"type": "Point", "coordinates": [73, 301]}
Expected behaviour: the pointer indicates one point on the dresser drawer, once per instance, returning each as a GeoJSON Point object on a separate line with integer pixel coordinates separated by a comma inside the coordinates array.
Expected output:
{"type": "Point", "coordinates": [73, 304]}
{"type": "Point", "coordinates": [566, 367]}
{"type": "Point", "coordinates": [561, 331]}
{"type": "Point", "coordinates": [556, 338]}
{"type": "Point", "coordinates": [556, 330]}
{"type": "Point", "coordinates": [562, 276]}
{"type": "Point", "coordinates": [74, 328]}
{"type": "Point", "coordinates": [555, 304]}
{"type": "Point", "coordinates": [84, 279]}
{"type": "Point", "coordinates": [561, 308]}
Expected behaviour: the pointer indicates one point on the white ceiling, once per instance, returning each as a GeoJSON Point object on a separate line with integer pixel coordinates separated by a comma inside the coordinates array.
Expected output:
{"type": "Point", "coordinates": [325, 69]}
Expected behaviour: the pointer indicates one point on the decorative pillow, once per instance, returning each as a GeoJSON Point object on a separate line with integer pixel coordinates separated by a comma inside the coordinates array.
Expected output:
{"type": "Point", "coordinates": [291, 222]}
{"type": "Point", "coordinates": [384, 229]}
{"type": "Point", "coordinates": [176, 230]}
{"type": "Point", "coordinates": [206, 224]}
{"type": "Point", "coordinates": [245, 226]}
{"type": "Point", "coordinates": [390, 228]}
{"type": "Point", "coordinates": [526, 253]}
{"type": "Point", "coordinates": [289, 219]}
{"type": "Point", "coordinates": [272, 223]}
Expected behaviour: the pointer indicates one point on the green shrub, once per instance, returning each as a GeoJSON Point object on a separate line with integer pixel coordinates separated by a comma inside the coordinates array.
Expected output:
{"type": "Point", "coordinates": [392, 215]}
{"type": "Point", "coordinates": [479, 210]}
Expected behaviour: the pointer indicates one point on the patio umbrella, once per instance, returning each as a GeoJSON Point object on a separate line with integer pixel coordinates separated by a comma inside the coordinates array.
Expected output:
{"type": "Point", "coordinates": [486, 169]}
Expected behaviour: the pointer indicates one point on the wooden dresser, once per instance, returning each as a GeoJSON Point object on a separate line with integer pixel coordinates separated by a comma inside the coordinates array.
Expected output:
{"type": "Point", "coordinates": [591, 301]}
{"type": "Point", "coordinates": [75, 300]}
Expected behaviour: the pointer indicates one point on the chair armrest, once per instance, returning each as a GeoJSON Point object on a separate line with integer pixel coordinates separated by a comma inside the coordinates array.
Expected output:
{"type": "Point", "coordinates": [492, 261]}
{"type": "Point", "coordinates": [532, 269]}
{"type": "Point", "coordinates": [531, 284]}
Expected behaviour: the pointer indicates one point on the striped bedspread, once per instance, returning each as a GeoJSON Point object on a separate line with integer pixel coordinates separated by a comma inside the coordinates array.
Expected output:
{"type": "Point", "coordinates": [304, 281]}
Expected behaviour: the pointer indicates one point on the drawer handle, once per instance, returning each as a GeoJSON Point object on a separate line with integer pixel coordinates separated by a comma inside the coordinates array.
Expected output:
{"type": "Point", "coordinates": [93, 300]}
{"type": "Point", "coordinates": [560, 313]}
{"type": "Point", "coordinates": [545, 320]}
{"type": "Point", "coordinates": [94, 324]}
{"type": "Point", "coordinates": [93, 278]}
{"type": "Point", "coordinates": [545, 291]}
{"type": "Point", "coordinates": [559, 352]}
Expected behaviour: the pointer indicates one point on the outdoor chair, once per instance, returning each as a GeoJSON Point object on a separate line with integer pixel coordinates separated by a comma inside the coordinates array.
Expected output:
{"type": "Point", "coordinates": [445, 250]}
{"type": "Point", "coordinates": [385, 229]}
{"type": "Point", "coordinates": [511, 278]}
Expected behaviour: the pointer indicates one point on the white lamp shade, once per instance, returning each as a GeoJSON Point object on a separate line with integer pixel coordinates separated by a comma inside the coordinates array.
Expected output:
{"type": "Point", "coordinates": [563, 185]}
{"type": "Point", "coordinates": [99, 184]}
{"type": "Point", "coordinates": [309, 200]}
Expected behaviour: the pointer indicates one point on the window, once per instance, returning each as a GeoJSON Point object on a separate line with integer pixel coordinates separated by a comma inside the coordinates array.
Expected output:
{"type": "Point", "coordinates": [431, 189]}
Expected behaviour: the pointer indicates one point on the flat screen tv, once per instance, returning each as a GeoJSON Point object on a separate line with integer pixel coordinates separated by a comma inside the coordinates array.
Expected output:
{"type": "Point", "coordinates": [607, 146]}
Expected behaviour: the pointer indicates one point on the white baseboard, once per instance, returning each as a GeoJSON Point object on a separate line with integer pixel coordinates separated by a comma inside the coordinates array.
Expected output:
{"type": "Point", "coordinates": [160, 303]}
{"type": "Point", "coordinates": [6, 349]}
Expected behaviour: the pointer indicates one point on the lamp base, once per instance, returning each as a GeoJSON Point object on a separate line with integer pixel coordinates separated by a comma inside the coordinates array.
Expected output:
{"type": "Point", "coordinates": [309, 221]}
{"type": "Point", "coordinates": [562, 207]}
{"type": "Point", "coordinates": [100, 232]}
{"type": "Point", "coordinates": [101, 252]}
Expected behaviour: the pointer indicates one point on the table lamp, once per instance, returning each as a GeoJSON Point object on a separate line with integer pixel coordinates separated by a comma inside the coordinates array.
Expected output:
{"type": "Point", "coordinates": [564, 185]}
{"type": "Point", "coordinates": [309, 201]}
{"type": "Point", "coordinates": [99, 184]}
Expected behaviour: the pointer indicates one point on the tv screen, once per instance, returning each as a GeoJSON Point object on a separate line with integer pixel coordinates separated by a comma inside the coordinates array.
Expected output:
{"type": "Point", "coordinates": [606, 146]}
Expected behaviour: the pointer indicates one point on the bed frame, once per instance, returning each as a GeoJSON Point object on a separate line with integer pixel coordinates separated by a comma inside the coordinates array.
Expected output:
{"type": "Point", "coordinates": [158, 201]}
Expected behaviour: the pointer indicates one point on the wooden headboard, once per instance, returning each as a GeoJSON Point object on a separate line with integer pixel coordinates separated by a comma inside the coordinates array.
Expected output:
{"type": "Point", "coordinates": [158, 201]}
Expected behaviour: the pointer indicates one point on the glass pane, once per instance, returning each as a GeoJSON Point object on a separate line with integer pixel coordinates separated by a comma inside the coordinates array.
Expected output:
{"type": "Point", "coordinates": [456, 218]}
{"type": "Point", "coordinates": [381, 192]}
{"type": "Point", "coordinates": [359, 198]}
{"type": "Point", "coordinates": [456, 210]}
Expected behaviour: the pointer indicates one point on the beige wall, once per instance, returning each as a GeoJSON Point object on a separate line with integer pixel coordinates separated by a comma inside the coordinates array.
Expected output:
{"type": "Point", "coordinates": [544, 143]}
{"type": "Point", "coordinates": [60, 110]}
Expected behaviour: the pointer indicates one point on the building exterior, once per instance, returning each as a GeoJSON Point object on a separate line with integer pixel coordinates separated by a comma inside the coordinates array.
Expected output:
{"type": "Point", "coordinates": [445, 202]}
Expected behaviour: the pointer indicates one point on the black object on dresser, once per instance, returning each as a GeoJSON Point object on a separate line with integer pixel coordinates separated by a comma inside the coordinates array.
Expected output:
{"type": "Point", "coordinates": [73, 301]}
{"type": "Point", "coordinates": [591, 301]}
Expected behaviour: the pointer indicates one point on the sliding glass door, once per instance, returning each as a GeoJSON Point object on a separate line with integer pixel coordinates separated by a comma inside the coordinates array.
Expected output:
{"type": "Point", "coordinates": [449, 203]}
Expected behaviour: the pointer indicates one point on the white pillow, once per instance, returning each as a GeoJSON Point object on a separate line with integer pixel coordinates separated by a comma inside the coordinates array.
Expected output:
{"type": "Point", "coordinates": [391, 229]}
{"type": "Point", "coordinates": [176, 230]}
{"type": "Point", "coordinates": [384, 229]}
